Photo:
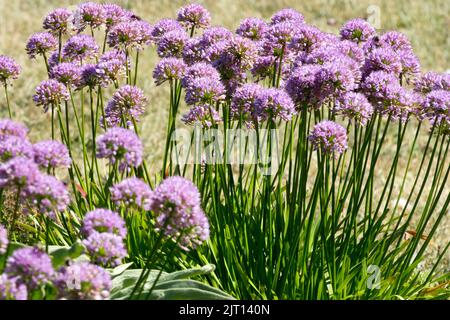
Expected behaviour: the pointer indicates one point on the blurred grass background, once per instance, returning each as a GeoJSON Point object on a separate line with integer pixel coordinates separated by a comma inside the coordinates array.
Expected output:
{"type": "Point", "coordinates": [427, 24]}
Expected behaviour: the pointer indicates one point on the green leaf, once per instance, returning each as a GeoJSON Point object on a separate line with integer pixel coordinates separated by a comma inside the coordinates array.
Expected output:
{"type": "Point", "coordinates": [61, 254]}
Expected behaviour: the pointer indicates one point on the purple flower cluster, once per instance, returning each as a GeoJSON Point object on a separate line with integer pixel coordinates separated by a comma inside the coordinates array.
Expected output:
{"type": "Point", "coordinates": [130, 34]}
{"type": "Point", "coordinates": [354, 106]}
{"type": "Point", "coordinates": [9, 69]}
{"type": "Point", "coordinates": [50, 93]}
{"type": "Point", "coordinates": [89, 14]}
{"type": "Point", "coordinates": [12, 128]}
{"type": "Point", "coordinates": [18, 173]}
{"type": "Point", "coordinates": [11, 289]}
{"type": "Point", "coordinates": [194, 16]}
{"type": "Point", "coordinates": [274, 103]}
{"type": "Point", "coordinates": [13, 146]}
{"type": "Point", "coordinates": [204, 91]}
{"type": "Point", "coordinates": [67, 73]}
{"type": "Point", "coordinates": [329, 137]}
{"type": "Point", "coordinates": [58, 21]}
{"type": "Point", "coordinates": [51, 154]}
{"type": "Point", "coordinates": [252, 28]}
{"type": "Point", "coordinates": [103, 220]}
{"type": "Point", "coordinates": [40, 44]}
{"type": "Point", "coordinates": [80, 48]}
{"type": "Point", "coordinates": [169, 69]}
{"type": "Point", "coordinates": [171, 44]}
{"type": "Point", "coordinates": [358, 30]}
{"type": "Point", "coordinates": [132, 192]}
{"type": "Point", "coordinates": [203, 114]}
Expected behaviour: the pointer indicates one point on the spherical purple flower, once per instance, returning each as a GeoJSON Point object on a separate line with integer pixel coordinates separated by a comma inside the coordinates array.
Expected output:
{"type": "Point", "coordinates": [436, 106]}
{"type": "Point", "coordinates": [199, 70]}
{"type": "Point", "coordinates": [13, 146]}
{"type": "Point", "coordinates": [58, 21]}
{"type": "Point", "coordinates": [51, 154]}
{"type": "Point", "coordinates": [80, 47]}
{"type": "Point", "coordinates": [47, 194]}
{"type": "Point", "coordinates": [432, 81]}
{"type": "Point", "coordinates": [354, 106]}
{"type": "Point", "coordinates": [164, 26]}
{"type": "Point", "coordinates": [384, 59]}
{"type": "Point", "coordinates": [18, 173]}
{"type": "Point", "coordinates": [103, 220]}
{"type": "Point", "coordinates": [124, 35]}
{"type": "Point", "coordinates": [279, 37]}
{"type": "Point", "coordinates": [215, 34]}
{"type": "Point", "coordinates": [176, 205]}
{"type": "Point", "coordinates": [89, 14]}
{"type": "Point", "coordinates": [105, 249]}
{"type": "Point", "coordinates": [357, 30]}
{"type": "Point", "coordinates": [169, 69]}
{"type": "Point", "coordinates": [395, 40]}
{"type": "Point", "coordinates": [376, 84]}
{"type": "Point", "coordinates": [3, 240]}
{"type": "Point", "coordinates": [204, 91]}
{"type": "Point", "coordinates": [120, 146]}
{"type": "Point", "coordinates": [31, 266]}
{"type": "Point", "coordinates": [83, 281]}
{"type": "Point", "coordinates": [67, 73]}
{"type": "Point", "coordinates": [93, 76]}
{"type": "Point", "coordinates": [50, 93]}
{"type": "Point", "coordinates": [274, 103]}
{"type": "Point", "coordinates": [306, 38]}
{"type": "Point", "coordinates": [194, 51]}
{"type": "Point", "coordinates": [289, 15]}
{"type": "Point", "coordinates": [243, 103]}
{"type": "Point", "coordinates": [112, 65]}
{"type": "Point", "coordinates": [128, 104]}
{"type": "Point", "coordinates": [12, 128]}
{"type": "Point", "coordinates": [41, 43]}
{"type": "Point", "coordinates": [329, 137]}
{"type": "Point", "coordinates": [203, 114]}
{"type": "Point", "coordinates": [263, 67]}
{"type": "Point", "coordinates": [397, 102]}
{"type": "Point", "coordinates": [302, 84]}
{"type": "Point", "coordinates": [410, 63]}
{"type": "Point", "coordinates": [353, 51]}
{"type": "Point", "coordinates": [171, 44]}
{"type": "Point", "coordinates": [338, 76]}
{"type": "Point", "coordinates": [194, 16]}
{"type": "Point", "coordinates": [252, 28]}
{"type": "Point", "coordinates": [9, 69]}
{"type": "Point", "coordinates": [132, 191]}
{"type": "Point", "coordinates": [114, 14]}
{"type": "Point", "coordinates": [10, 289]}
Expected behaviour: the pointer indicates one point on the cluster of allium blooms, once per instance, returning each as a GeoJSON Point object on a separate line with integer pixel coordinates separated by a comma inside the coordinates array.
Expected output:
{"type": "Point", "coordinates": [12, 128]}
{"type": "Point", "coordinates": [67, 73]}
{"type": "Point", "coordinates": [112, 65]}
{"type": "Point", "coordinates": [51, 154]}
{"type": "Point", "coordinates": [194, 16]}
{"type": "Point", "coordinates": [199, 70]}
{"type": "Point", "coordinates": [171, 44]}
{"type": "Point", "coordinates": [3, 240]}
{"type": "Point", "coordinates": [127, 104]}
{"type": "Point", "coordinates": [58, 21]}
{"type": "Point", "coordinates": [329, 137]}
{"type": "Point", "coordinates": [50, 93]}
{"type": "Point", "coordinates": [9, 69]}
{"type": "Point", "coordinates": [13, 146]}
{"type": "Point", "coordinates": [252, 28]}
{"type": "Point", "coordinates": [203, 114]}
{"type": "Point", "coordinates": [80, 48]}
{"type": "Point", "coordinates": [132, 192]}
{"type": "Point", "coordinates": [169, 69]}
{"type": "Point", "coordinates": [204, 91]}
{"type": "Point", "coordinates": [83, 281]}
{"type": "Point", "coordinates": [89, 14]}
{"type": "Point", "coordinates": [92, 76]}
{"type": "Point", "coordinates": [243, 105]}
{"type": "Point", "coordinates": [274, 103]}
{"type": "Point", "coordinates": [11, 289]}
{"type": "Point", "coordinates": [357, 30]}
{"type": "Point", "coordinates": [40, 44]}
{"type": "Point", "coordinates": [177, 207]}
{"type": "Point", "coordinates": [130, 34]}
{"type": "Point", "coordinates": [18, 172]}
{"type": "Point", "coordinates": [354, 106]}
{"type": "Point", "coordinates": [114, 14]}
{"type": "Point", "coordinates": [104, 231]}
{"type": "Point", "coordinates": [120, 146]}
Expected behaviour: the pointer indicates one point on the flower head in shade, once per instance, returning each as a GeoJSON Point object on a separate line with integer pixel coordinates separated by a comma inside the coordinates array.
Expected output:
{"type": "Point", "coordinates": [384, 59]}
{"type": "Point", "coordinates": [171, 44]}
{"type": "Point", "coordinates": [376, 84]}
{"type": "Point", "coordinates": [83, 281]}
{"type": "Point", "coordinates": [199, 70]}
{"type": "Point", "coordinates": [120, 146]}
{"type": "Point", "coordinates": [252, 28]}
{"type": "Point", "coordinates": [18, 173]}
{"type": "Point", "coordinates": [128, 104]}
{"type": "Point", "coordinates": [306, 38]}
{"type": "Point", "coordinates": [354, 106]}
{"type": "Point", "coordinates": [287, 14]}
{"type": "Point", "coordinates": [50, 93]}
{"type": "Point", "coordinates": [194, 51]}
{"type": "Point", "coordinates": [302, 84]}
{"type": "Point", "coordinates": [436, 107]}
{"type": "Point", "coordinates": [263, 67]}
{"type": "Point", "coordinates": [243, 103]}
{"type": "Point", "coordinates": [89, 14]}
{"type": "Point", "coordinates": [203, 114]}
{"type": "Point", "coordinates": [3, 240]}
{"type": "Point", "coordinates": [114, 14]}
{"type": "Point", "coordinates": [105, 249]}
{"type": "Point", "coordinates": [80, 47]}
{"type": "Point", "coordinates": [40, 43]}
{"type": "Point", "coordinates": [58, 21]}
{"type": "Point", "coordinates": [103, 220]}
{"type": "Point", "coordinates": [164, 26]}
{"type": "Point", "coordinates": [67, 73]}
{"type": "Point", "coordinates": [10, 289]}
{"type": "Point", "coordinates": [329, 137]}
{"type": "Point", "coordinates": [132, 191]}
{"type": "Point", "coordinates": [9, 69]}
{"type": "Point", "coordinates": [357, 30]}
{"type": "Point", "coordinates": [410, 63]}
{"type": "Point", "coordinates": [13, 146]}
{"type": "Point", "coordinates": [204, 91]}
{"type": "Point", "coordinates": [194, 16]}
{"type": "Point", "coordinates": [93, 76]}
{"type": "Point", "coordinates": [12, 128]}
{"type": "Point", "coordinates": [31, 266]}
{"type": "Point", "coordinates": [176, 204]}
{"type": "Point", "coordinates": [432, 81]}
{"type": "Point", "coordinates": [169, 69]}
{"type": "Point", "coordinates": [274, 103]}
{"type": "Point", "coordinates": [47, 194]}
{"type": "Point", "coordinates": [51, 154]}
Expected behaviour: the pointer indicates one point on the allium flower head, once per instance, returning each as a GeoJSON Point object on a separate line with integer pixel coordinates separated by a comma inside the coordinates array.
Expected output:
{"type": "Point", "coordinates": [114, 14]}
{"type": "Point", "coordinates": [31, 266]}
{"type": "Point", "coordinates": [171, 44]}
{"type": "Point", "coordinates": [105, 249]}
{"type": "Point", "coordinates": [432, 81]}
{"type": "Point", "coordinates": [164, 26]}
{"type": "Point", "coordinates": [13, 146]}
{"type": "Point", "coordinates": [83, 281]}
{"type": "Point", "coordinates": [338, 76]}
{"type": "Point", "coordinates": [80, 47]}
{"type": "Point", "coordinates": [132, 191]}
{"type": "Point", "coordinates": [67, 73]}
{"type": "Point", "coordinates": [410, 63]}
{"type": "Point", "coordinates": [169, 69]}
{"type": "Point", "coordinates": [103, 220]}
{"type": "Point", "coordinates": [203, 114]}
{"type": "Point", "coordinates": [128, 103]}
{"type": "Point", "coordinates": [306, 38]}
{"type": "Point", "coordinates": [51, 154]}
{"type": "Point", "coordinates": [396, 102]}
{"type": "Point", "coordinates": [302, 84]}
{"type": "Point", "coordinates": [12, 128]}
{"type": "Point", "coordinates": [274, 103]}
{"type": "Point", "coordinates": [354, 106]}
{"type": "Point", "coordinates": [384, 59]}
{"type": "Point", "coordinates": [194, 16]}
{"type": "Point", "coordinates": [287, 15]}
{"type": "Point", "coordinates": [41, 43]}
{"type": "Point", "coordinates": [50, 93]}
{"type": "Point", "coordinates": [10, 289]}
{"type": "Point", "coordinates": [58, 21]}
{"type": "Point", "coordinates": [9, 69]}
{"type": "Point", "coordinates": [279, 38]}
{"type": "Point", "coordinates": [18, 173]}
{"type": "Point", "coordinates": [204, 91]}
{"type": "Point", "coordinates": [215, 34]}
{"type": "Point", "coordinates": [112, 65]}
{"type": "Point", "coordinates": [122, 146]}
{"type": "Point", "coordinates": [176, 205]}
{"type": "Point", "coordinates": [199, 70]}
{"type": "Point", "coordinates": [93, 76]}
{"type": "Point", "coordinates": [194, 51]}
{"type": "Point", "coordinates": [243, 102]}
{"type": "Point", "coordinates": [89, 14]}
{"type": "Point", "coordinates": [357, 30]}
{"type": "Point", "coordinates": [436, 106]}
{"type": "Point", "coordinates": [3, 240]}
{"type": "Point", "coordinates": [329, 137]}
{"type": "Point", "coordinates": [47, 195]}
{"type": "Point", "coordinates": [124, 35]}
{"type": "Point", "coordinates": [376, 84]}
{"type": "Point", "coordinates": [263, 67]}
{"type": "Point", "coordinates": [252, 28]}
{"type": "Point", "coordinates": [397, 41]}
